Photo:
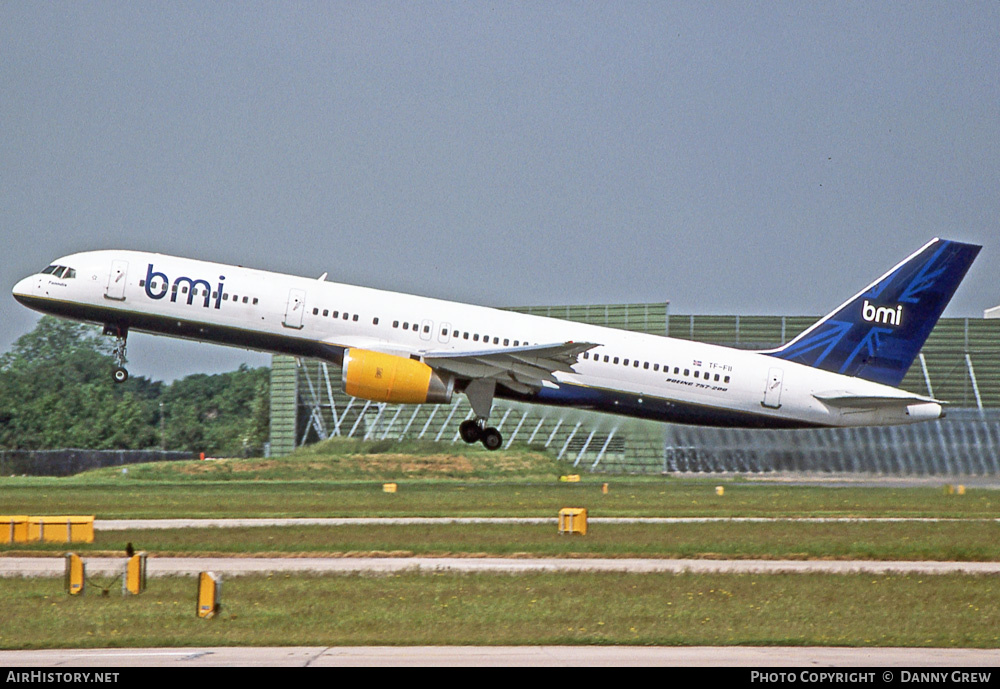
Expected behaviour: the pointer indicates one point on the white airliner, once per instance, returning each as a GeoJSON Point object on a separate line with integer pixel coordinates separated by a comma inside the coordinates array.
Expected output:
{"type": "Point", "coordinates": [401, 348]}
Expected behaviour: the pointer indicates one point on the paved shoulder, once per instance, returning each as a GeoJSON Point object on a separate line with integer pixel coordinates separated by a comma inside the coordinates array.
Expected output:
{"type": "Point", "coordinates": [164, 566]}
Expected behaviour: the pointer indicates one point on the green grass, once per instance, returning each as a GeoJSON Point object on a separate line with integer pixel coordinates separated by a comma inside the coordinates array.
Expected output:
{"type": "Point", "coordinates": [343, 478]}
{"type": "Point", "coordinates": [345, 459]}
{"type": "Point", "coordinates": [128, 497]}
{"type": "Point", "coordinates": [493, 609]}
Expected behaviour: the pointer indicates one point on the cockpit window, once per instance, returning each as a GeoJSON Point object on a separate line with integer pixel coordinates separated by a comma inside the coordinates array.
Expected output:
{"type": "Point", "coordinates": [63, 272]}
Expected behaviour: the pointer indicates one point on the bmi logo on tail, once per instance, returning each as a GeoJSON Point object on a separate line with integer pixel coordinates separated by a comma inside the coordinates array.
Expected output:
{"type": "Point", "coordinates": [882, 314]}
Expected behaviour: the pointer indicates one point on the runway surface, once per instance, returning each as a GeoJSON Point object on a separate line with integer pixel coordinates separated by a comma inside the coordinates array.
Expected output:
{"type": "Point", "coordinates": [511, 656]}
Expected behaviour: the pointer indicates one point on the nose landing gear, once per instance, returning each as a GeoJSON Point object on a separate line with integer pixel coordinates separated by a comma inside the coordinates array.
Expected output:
{"type": "Point", "coordinates": [120, 333]}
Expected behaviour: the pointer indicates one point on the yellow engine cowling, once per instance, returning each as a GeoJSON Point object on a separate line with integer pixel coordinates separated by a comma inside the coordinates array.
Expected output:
{"type": "Point", "coordinates": [389, 378]}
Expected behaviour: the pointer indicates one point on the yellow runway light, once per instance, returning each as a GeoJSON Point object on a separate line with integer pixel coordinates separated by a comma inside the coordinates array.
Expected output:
{"type": "Point", "coordinates": [209, 586]}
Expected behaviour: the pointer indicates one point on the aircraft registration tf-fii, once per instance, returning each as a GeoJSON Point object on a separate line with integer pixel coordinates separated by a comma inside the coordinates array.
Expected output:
{"type": "Point", "coordinates": [401, 348]}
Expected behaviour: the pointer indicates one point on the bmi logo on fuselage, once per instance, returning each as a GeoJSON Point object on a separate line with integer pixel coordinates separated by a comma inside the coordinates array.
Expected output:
{"type": "Point", "coordinates": [191, 284]}
{"type": "Point", "coordinates": [882, 314]}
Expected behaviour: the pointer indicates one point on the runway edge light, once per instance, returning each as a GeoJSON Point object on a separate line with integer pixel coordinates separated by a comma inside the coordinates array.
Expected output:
{"type": "Point", "coordinates": [76, 574]}
{"type": "Point", "coordinates": [134, 581]}
{"type": "Point", "coordinates": [209, 585]}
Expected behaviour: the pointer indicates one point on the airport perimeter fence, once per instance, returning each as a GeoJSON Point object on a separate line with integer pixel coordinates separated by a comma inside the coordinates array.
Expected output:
{"type": "Point", "coordinates": [69, 462]}
{"type": "Point", "coordinates": [965, 443]}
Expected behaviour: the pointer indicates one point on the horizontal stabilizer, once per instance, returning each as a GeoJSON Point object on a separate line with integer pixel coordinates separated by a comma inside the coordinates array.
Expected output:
{"type": "Point", "coordinates": [842, 399]}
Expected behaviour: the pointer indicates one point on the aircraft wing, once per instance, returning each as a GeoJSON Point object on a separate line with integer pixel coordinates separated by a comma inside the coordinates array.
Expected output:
{"type": "Point", "coordinates": [843, 398]}
{"type": "Point", "coordinates": [521, 369]}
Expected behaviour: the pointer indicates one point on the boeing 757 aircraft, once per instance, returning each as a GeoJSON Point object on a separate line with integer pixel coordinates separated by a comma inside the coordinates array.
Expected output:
{"type": "Point", "coordinates": [401, 348]}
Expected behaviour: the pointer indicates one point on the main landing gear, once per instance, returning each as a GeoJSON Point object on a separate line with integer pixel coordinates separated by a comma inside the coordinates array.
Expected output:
{"type": "Point", "coordinates": [475, 430]}
{"type": "Point", "coordinates": [120, 333]}
{"type": "Point", "coordinates": [480, 393]}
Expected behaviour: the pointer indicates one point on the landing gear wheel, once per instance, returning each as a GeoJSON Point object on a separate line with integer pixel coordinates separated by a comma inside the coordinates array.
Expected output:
{"type": "Point", "coordinates": [492, 440]}
{"type": "Point", "coordinates": [120, 334]}
{"type": "Point", "coordinates": [470, 431]}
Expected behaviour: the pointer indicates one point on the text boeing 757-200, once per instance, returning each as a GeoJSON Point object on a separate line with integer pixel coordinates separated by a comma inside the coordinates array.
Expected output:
{"type": "Point", "coordinates": [401, 348]}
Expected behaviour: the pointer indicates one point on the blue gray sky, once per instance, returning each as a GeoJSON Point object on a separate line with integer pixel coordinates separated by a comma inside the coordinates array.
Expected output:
{"type": "Point", "coordinates": [730, 157]}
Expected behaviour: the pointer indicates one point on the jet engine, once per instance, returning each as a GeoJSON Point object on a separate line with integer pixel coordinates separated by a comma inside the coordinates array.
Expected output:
{"type": "Point", "coordinates": [389, 378]}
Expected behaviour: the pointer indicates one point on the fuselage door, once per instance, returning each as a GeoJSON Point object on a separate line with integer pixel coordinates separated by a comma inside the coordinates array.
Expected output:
{"type": "Point", "coordinates": [295, 309]}
{"type": "Point", "coordinates": [426, 329]}
{"type": "Point", "coordinates": [444, 336]}
{"type": "Point", "coordinates": [116, 281]}
{"type": "Point", "coordinates": [772, 392]}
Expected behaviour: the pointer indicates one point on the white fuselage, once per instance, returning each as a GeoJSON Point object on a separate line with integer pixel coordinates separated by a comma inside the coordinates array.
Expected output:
{"type": "Point", "coordinates": [627, 373]}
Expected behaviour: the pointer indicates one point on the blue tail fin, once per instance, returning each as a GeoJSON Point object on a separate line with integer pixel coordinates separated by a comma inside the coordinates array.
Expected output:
{"type": "Point", "coordinates": [877, 334]}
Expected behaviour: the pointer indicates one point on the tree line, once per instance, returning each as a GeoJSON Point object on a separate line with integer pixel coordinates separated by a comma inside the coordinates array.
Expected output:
{"type": "Point", "coordinates": [56, 392]}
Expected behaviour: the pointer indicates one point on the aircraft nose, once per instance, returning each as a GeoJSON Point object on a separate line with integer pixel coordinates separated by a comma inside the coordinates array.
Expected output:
{"type": "Point", "coordinates": [23, 288]}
